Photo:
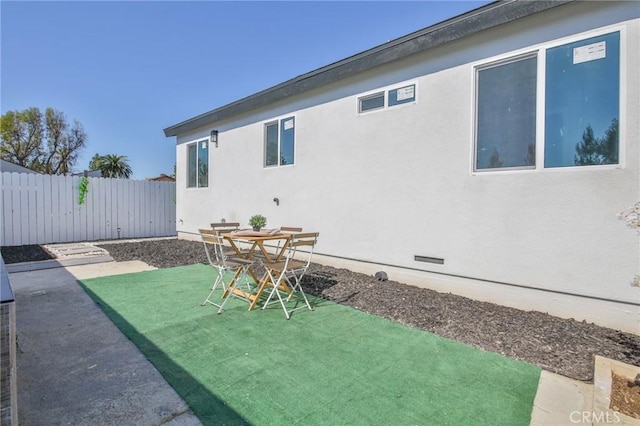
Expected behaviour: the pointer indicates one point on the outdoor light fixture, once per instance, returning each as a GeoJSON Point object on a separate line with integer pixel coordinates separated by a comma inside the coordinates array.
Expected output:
{"type": "Point", "coordinates": [214, 137]}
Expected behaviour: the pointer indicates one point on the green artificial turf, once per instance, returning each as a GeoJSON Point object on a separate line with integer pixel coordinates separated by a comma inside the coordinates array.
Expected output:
{"type": "Point", "coordinates": [331, 366]}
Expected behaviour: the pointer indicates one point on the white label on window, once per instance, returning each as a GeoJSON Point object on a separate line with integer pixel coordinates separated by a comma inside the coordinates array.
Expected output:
{"type": "Point", "coordinates": [204, 145]}
{"type": "Point", "coordinates": [406, 93]}
{"type": "Point", "coordinates": [590, 52]}
{"type": "Point", "coordinates": [288, 124]}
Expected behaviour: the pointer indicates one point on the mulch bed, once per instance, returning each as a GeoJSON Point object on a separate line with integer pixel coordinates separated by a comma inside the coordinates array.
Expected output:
{"type": "Point", "coordinates": [562, 346]}
{"type": "Point", "coordinates": [26, 253]}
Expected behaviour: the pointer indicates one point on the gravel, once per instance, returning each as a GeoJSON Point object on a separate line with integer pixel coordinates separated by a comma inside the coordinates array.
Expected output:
{"type": "Point", "coordinates": [562, 346]}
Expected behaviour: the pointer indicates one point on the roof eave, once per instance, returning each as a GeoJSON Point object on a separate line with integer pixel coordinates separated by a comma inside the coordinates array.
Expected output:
{"type": "Point", "coordinates": [472, 22]}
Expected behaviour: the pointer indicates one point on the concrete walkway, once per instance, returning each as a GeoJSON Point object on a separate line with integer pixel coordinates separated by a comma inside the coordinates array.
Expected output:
{"type": "Point", "coordinates": [563, 401]}
{"type": "Point", "coordinates": [74, 366]}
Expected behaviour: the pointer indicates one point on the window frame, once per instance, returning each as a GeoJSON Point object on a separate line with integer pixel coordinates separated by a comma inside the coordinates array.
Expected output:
{"type": "Point", "coordinates": [279, 123]}
{"type": "Point", "coordinates": [397, 102]}
{"type": "Point", "coordinates": [540, 50]}
{"type": "Point", "coordinates": [196, 145]}
{"type": "Point", "coordinates": [505, 61]}
{"type": "Point", "coordinates": [385, 94]}
{"type": "Point", "coordinates": [371, 96]}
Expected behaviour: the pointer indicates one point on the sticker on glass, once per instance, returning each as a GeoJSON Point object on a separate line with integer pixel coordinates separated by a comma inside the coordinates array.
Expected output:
{"type": "Point", "coordinates": [590, 52]}
{"type": "Point", "coordinates": [288, 124]}
{"type": "Point", "coordinates": [406, 93]}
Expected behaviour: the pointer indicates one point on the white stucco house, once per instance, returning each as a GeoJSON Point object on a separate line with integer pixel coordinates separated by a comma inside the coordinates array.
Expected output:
{"type": "Point", "coordinates": [487, 155]}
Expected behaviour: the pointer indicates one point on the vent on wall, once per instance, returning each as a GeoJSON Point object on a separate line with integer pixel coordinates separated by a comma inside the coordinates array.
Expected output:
{"type": "Point", "coordinates": [428, 259]}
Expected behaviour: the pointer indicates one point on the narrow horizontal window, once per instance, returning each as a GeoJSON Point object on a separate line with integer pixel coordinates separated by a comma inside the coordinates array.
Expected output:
{"type": "Point", "coordinates": [371, 102]}
{"type": "Point", "coordinates": [402, 95]}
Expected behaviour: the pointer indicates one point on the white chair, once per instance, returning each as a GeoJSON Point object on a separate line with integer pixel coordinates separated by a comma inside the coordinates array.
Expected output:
{"type": "Point", "coordinates": [287, 230]}
{"type": "Point", "coordinates": [227, 227]}
{"type": "Point", "coordinates": [224, 265]}
{"type": "Point", "coordinates": [285, 276]}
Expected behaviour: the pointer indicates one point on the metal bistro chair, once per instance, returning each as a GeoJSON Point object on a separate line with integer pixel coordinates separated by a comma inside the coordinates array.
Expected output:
{"type": "Point", "coordinates": [226, 227]}
{"type": "Point", "coordinates": [224, 265]}
{"type": "Point", "coordinates": [291, 270]}
{"type": "Point", "coordinates": [290, 229]}
{"type": "Point", "coordinates": [287, 230]}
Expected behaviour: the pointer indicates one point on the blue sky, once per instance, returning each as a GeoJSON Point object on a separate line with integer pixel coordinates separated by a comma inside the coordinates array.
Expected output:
{"type": "Point", "coordinates": [127, 70]}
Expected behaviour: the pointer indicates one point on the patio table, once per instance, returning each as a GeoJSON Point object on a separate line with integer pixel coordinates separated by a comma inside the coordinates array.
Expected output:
{"type": "Point", "coordinates": [257, 239]}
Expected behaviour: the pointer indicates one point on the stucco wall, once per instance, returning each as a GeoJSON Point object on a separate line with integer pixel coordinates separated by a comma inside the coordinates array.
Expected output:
{"type": "Point", "coordinates": [385, 186]}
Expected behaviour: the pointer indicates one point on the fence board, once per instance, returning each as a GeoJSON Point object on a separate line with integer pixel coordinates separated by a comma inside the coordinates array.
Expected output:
{"type": "Point", "coordinates": [47, 210]}
{"type": "Point", "coordinates": [7, 209]}
{"type": "Point", "coordinates": [88, 206]}
{"type": "Point", "coordinates": [131, 212]}
{"type": "Point", "coordinates": [39, 196]}
{"type": "Point", "coordinates": [40, 209]}
{"type": "Point", "coordinates": [148, 217]}
{"type": "Point", "coordinates": [78, 211]}
{"type": "Point", "coordinates": [6, 214]}
{"type": "Point", "coordinates": [60, 210]}
{"type": "Point", "coordinates": [66, 231]}
{"type": "Point", "coordinates": [101, 199]}
{"type": "Point", "coordinates": [3, 206]}
{"type": "Point", "coordinates": [15, 209]}
{"type": "Point", "coordinates": [31, 205]}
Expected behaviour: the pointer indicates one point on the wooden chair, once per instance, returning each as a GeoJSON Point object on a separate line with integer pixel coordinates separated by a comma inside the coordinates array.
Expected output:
{"type": "Point", "coordinates": [285, 276]}
{"type": "Point", "coordinates": [223, 264]}
{"type": "Point", "coordinates": [288, 229]}
{"type": "Point", "coordinates": [224, 227]}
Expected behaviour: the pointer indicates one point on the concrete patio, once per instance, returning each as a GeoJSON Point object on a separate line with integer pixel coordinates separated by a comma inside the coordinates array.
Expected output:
{"type": "Point", "coordinates": [74, 365]}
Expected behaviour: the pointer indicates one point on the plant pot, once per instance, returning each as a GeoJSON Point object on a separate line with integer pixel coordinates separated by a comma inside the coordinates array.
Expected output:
{"type": "Point", "coordinates": [256, 228]}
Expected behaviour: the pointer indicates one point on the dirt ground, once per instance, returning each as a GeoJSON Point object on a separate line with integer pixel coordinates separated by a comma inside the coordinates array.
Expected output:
{"type": "Point", "coordinates": [625, 396]}
{"type": "Point", "coordinates": [562, 346]}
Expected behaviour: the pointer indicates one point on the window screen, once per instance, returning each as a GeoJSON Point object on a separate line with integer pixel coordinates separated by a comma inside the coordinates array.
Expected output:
{"type": "Point", "coordinates": [506, 115]}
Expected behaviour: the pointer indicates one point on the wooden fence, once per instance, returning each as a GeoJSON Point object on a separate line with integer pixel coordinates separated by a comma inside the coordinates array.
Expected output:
{"type": "Point", "coordinates": [40, 209]}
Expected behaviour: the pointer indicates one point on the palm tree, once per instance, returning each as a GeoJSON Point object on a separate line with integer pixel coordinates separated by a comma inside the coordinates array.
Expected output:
{"type": "Point", "coordinates": [94, 164]}
{"type": "Point", "coordinates": [114, 166]}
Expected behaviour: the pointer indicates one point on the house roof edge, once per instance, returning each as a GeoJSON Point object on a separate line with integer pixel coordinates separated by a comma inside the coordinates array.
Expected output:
{"type": "Point", "coordinates": [466, 24]}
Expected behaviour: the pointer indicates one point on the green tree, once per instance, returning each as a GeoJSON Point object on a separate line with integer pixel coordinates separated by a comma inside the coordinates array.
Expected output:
{"type": "Point", "coordinates": [94, 164]}
{"type": "Point", "coordinates": [609, 144]}
{"type": "Point", "coordinates": [592, 150]}
{"type": "Point", "coordinates": [44, 143]}
{"type": "Point", "coordinates": [587, 150]}
{"type": "Point", "coordinates": [112, 165]}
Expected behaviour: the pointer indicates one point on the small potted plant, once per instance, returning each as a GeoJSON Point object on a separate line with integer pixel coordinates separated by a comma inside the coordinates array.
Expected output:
{"type": "Point", "coordinates": [257, 221]}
